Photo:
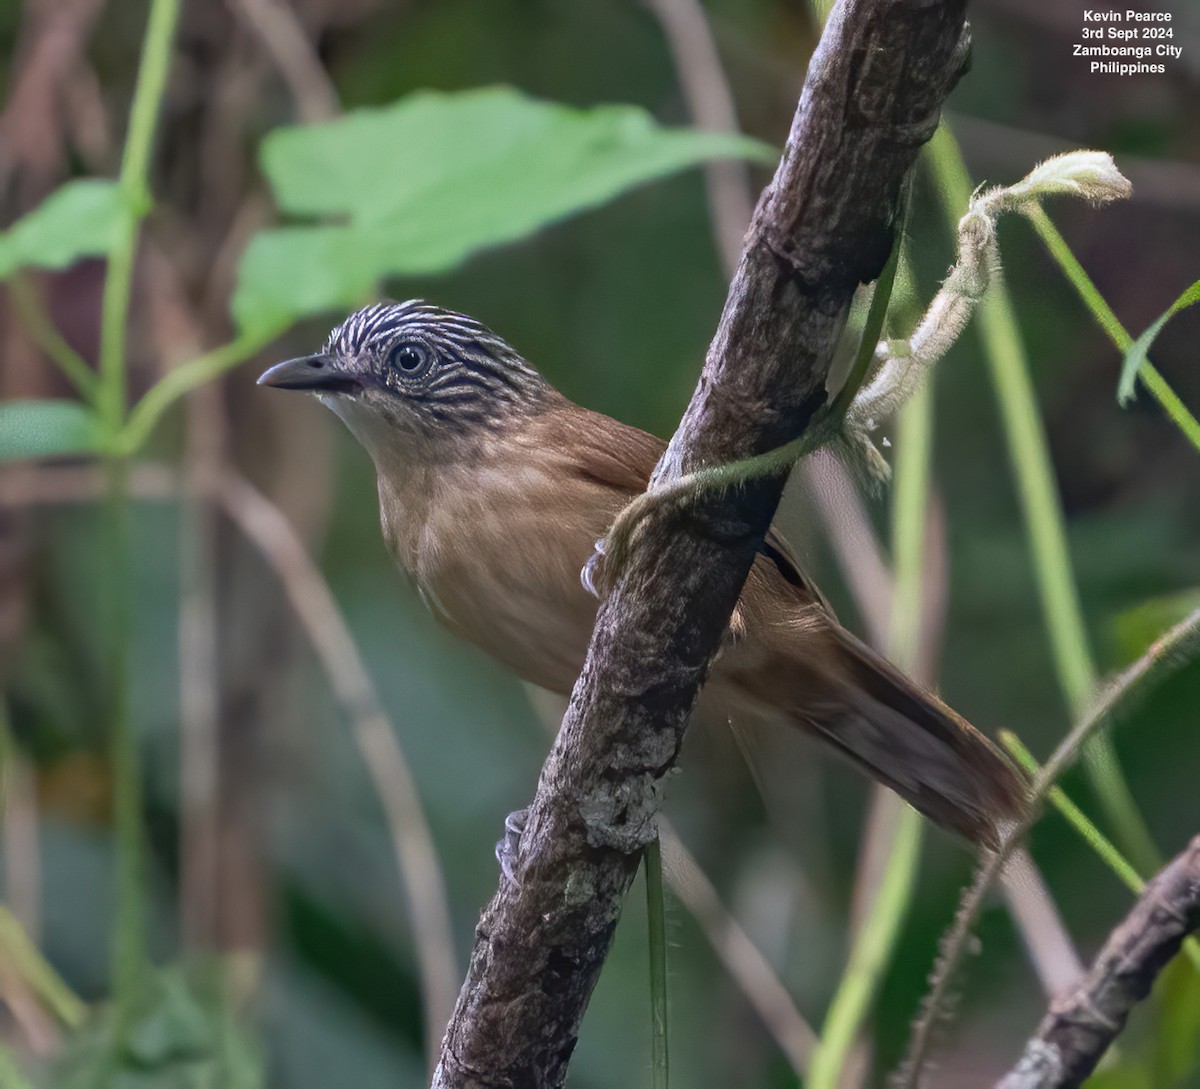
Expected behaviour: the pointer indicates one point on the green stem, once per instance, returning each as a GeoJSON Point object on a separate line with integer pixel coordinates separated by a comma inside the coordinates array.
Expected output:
{"type": "Point", "coordinates": [1175, 409]}
{"type": "Point", "coordinates": [135, 166]}
{"type": "Point", "coordinates": [876, 937]}
{"type": "Point", "coordinates": [1030, 457]}
{"type": "Point", "coordinates": [182, 380]}
{"type": "Point", "coordinates": [130, 957]}
{"type": "Point", "coordinates": [1108, 321]}
{"type": "Point", "coordinates": [39, 326]}
{"type": "Point", "coordinates": [1090, 834]}
{"type": "Point", "coordinates": [37, 973]}
{"type": "Point", "coordinates": [656, 914]}
{"type": "Point", "coordinates": [870, 956]}
{"type": "Point", "coordinates": [873, 327]}
{"type": "Point", "coordinates": [10, 1074]}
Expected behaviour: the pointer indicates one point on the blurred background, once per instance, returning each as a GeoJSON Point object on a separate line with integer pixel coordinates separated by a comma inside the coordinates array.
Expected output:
{"type": "Point", "coordinates": [267, 840]}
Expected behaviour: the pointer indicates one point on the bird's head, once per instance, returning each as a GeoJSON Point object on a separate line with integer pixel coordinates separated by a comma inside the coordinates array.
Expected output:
{"type": "Point", "coordinates": [413, 379]}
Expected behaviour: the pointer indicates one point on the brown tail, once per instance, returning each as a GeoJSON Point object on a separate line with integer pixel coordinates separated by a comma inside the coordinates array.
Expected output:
{"type": "Point", "coordinates": [912, 742]}
{"type": "Point", "coordinates": [906, 738]}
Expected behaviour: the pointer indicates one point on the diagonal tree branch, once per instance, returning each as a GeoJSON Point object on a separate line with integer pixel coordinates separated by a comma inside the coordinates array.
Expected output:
{"type": "Point", "coordinates": [1078, 1028]}
{"type": "Point", "coordinates": [873, 94]}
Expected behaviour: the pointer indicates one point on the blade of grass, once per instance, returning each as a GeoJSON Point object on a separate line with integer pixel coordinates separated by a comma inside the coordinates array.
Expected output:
{"type": "Point", "coordinates": [1135, 354]}
{"type": "Point", "coordinates": [747, 967]}
{"type": "Point", "coordinates": [656, 914]}
{"type": "Point", "coordinates": [1030, 457]}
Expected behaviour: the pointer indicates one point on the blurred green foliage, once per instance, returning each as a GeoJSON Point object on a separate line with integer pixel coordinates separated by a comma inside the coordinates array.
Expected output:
{"type": "Point", "coordinates": [79, 219]}
{"type": "Point", "coordinates": [616, 306]}
{"type": "Point", "coordinates": [428, 182]}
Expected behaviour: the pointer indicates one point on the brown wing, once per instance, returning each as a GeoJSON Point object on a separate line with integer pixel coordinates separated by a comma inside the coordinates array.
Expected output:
{"type": "Point", "coordinates": [598, 449]}
{"type": "Point", "coordinates": [615, 455]}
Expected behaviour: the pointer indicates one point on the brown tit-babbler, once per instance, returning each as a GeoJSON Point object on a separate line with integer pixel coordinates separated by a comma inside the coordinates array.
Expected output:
{"type": "Point", "coordinates": [494, 488]}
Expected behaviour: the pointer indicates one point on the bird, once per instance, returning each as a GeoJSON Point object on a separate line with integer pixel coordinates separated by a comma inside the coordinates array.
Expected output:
{"type": "Point", "coordinates": [494, 488]}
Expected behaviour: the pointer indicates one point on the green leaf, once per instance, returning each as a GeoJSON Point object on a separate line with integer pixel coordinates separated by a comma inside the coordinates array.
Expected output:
{"type": "Point", "coordinates": [417, 187]}
{"type": "Point", "coordinates": [1124, 1075]}
{"type": "Point", "coordinates": [184, 1035]}
{"type": "Point", "coordinates": [1135, 355]}
{"type": "Point", "coordinates": [79, 219]}
{"type": "Point", "coordinates": [1177, 1025]}
{"type": "Point", "coordinates": [1135, 629]}
{"type": "Point", "coordinates": [39, 429]}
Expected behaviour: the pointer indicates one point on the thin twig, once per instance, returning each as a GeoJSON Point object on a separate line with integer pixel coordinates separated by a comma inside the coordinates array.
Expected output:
{"type": "Point", "coordinates": [285, 39]}
{"type": "Point", "coordinates": [28, 484]}
{"type": "Point", "coordinates": [1078, 1028]}
{"type": "Point", "coordinates": [740, 956]}
{"type": "Point", "coordinates": [1104, 848]}
{"type": "Point", "coordinates": [855, 544]}
{"type": "Point", "coordinates": [1047, 942]}
{"type": "Point", "coordinates": [710, 105]}
{"type": "Point", "coordinates": [269, 530]}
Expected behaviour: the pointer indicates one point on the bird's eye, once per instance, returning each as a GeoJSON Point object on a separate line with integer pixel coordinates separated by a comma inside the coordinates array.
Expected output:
{"type": "Point", "coordinates": [411, 359]}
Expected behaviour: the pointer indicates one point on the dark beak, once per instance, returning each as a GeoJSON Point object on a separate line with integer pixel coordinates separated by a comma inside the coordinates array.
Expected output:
{"type": "Point", "coordinates": [317, 373]}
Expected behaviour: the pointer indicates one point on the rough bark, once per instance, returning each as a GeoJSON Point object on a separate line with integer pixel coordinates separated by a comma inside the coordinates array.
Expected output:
{"type": "Point", "coordinates": [825, 224]}
{"type": "Point", "coordinates": [1078, 1027]}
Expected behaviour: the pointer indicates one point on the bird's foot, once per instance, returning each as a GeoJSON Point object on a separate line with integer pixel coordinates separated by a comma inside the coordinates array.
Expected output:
{"type": "Point", "coordinates": [508, 845]}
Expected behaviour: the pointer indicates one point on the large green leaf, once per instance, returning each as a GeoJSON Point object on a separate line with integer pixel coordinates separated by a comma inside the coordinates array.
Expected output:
{"type": "Point", "coordinates": [38, 429]}
{"type": "Point", "coordinates": [1135, 356]}
{"type": "Point", "coordinates": [417, 187]}
{"type": "Point", "coordinates": [79, 219]}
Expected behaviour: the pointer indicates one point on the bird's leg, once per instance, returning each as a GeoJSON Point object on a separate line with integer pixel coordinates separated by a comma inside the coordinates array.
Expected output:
{"type": "Point", "coordinates": [508, 845]}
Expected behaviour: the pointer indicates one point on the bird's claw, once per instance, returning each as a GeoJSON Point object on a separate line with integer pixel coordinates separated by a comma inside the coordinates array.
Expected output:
{"type": "Point", "coordinates": [592, 575]}
{"type": "Point", "coordinates": [508, 845]}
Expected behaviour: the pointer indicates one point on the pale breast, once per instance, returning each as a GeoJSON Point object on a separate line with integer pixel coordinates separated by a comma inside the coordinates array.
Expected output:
{"type": "Point", "coordinates": [497, 556]}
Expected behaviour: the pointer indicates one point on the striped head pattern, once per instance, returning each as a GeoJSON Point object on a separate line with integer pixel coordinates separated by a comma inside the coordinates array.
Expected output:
{"type": "Point", "coordinates": [438, 368]}
{"type": "Point", "coordinates": [415, 382]}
